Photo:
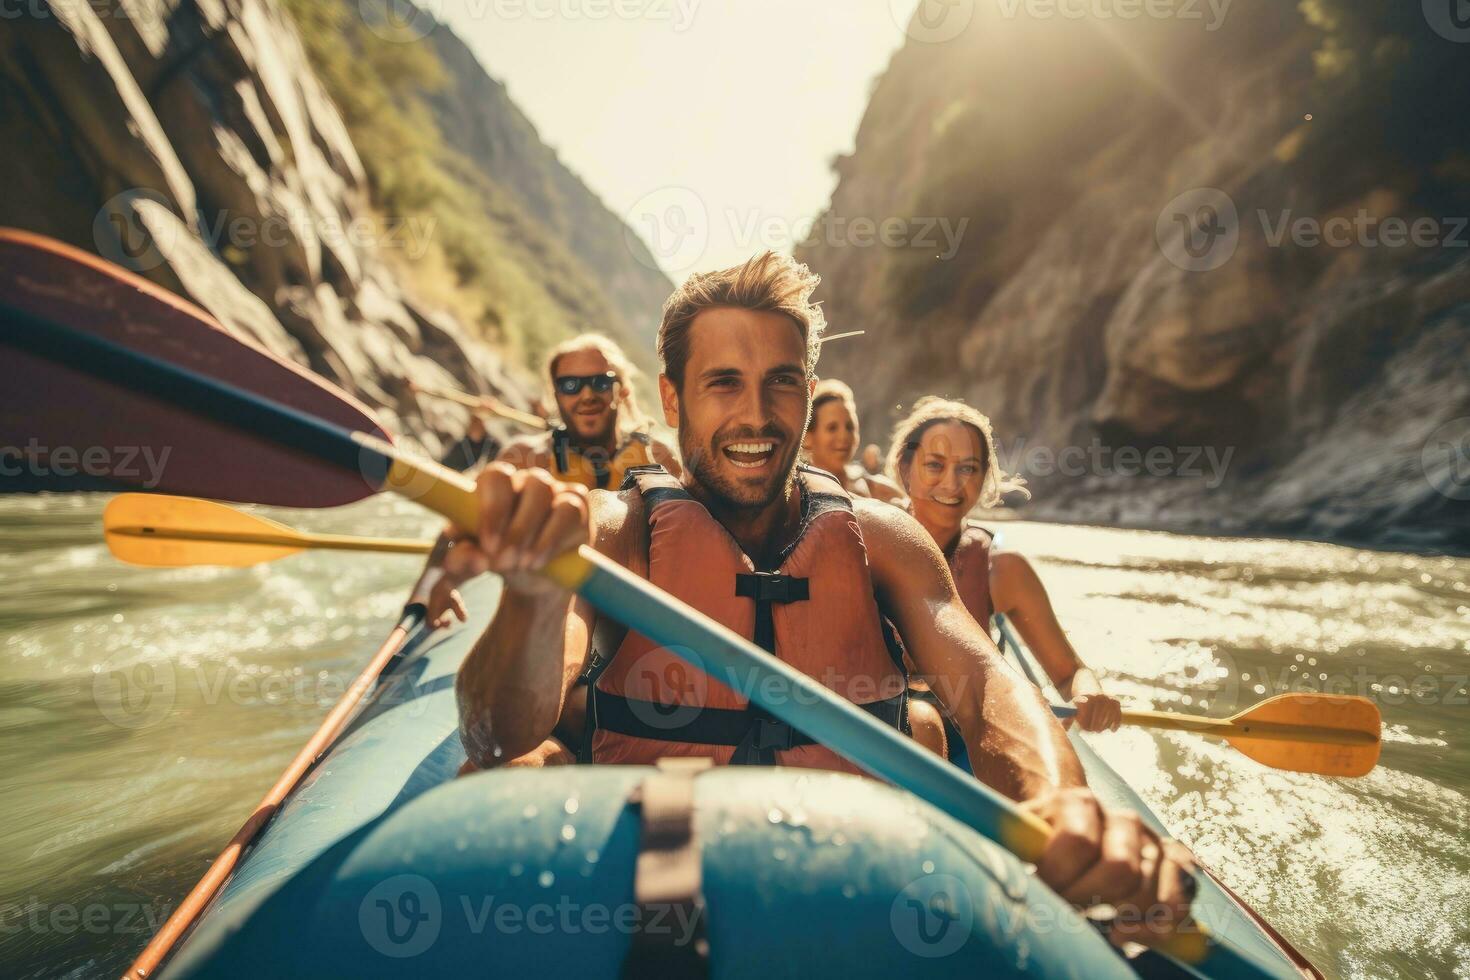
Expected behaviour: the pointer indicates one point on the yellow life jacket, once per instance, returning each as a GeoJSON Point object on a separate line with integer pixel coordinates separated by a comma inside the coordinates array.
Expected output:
{"type": "Point", "coordinates": [595, 468]}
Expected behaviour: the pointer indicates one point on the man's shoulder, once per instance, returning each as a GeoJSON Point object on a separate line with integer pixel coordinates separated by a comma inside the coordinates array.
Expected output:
{"type": "Point", "coordinates": [883, 518]}
{"type": "Point", "coordinates": [895, 541]}
{"type": "Point", "coordinates": [617, 523]}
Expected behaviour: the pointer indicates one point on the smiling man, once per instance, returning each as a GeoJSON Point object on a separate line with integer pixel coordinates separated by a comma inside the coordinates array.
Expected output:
{"type": "Point", "coordinates": [602, 433]}
{"type": "Point", "coordinates": [782, 555]}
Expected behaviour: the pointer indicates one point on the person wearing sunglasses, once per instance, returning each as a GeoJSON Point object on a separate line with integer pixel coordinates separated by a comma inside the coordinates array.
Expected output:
{"type": "Point", "coordinates": [601, 432]}
{"type": "Point", "coordinates": [600, 435]}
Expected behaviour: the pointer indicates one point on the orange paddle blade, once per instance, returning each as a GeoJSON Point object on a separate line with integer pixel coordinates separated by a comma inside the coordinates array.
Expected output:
{"type": "Point", "coordinates": [169, 532]}
{"type": "Point", "coordinates": [1318, 733]}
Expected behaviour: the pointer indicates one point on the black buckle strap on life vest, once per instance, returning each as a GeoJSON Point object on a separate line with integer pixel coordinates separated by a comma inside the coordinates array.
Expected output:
{"type": "Point", "coordinates": [766, 735]}
{"type": "Point", "coordinates": [768, 589]}
{"type": "Point", "coordinates": [559, 440]}
{"type": "Point", "coordinates": [668, 880]}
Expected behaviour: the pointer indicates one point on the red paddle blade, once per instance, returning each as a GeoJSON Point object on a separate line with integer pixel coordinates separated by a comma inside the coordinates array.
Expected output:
{"type": "Point", "coordinates": [66, 429]}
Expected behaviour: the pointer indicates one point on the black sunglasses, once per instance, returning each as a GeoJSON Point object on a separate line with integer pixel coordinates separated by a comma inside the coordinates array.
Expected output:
{"type": "Point", "coordinates": [572, 384]}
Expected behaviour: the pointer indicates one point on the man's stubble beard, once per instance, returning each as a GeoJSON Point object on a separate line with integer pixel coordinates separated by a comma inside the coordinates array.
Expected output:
{"type": "Point", "coordinates": [604, 436]}
{"type": "Point", "coordinates": [702, 465]}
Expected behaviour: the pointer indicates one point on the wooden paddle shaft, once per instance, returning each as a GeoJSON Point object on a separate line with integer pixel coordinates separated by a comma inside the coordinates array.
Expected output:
{"type": "Point", "coordinates": [493, 405]}
{"type": "Point", "coordinates": [329, 542]}
{"type": "Point", "coordinates": [1243, 728]}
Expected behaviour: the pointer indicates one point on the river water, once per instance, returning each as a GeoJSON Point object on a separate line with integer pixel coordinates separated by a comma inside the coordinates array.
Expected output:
{"type": "Point", "coordinates": [144, 711]}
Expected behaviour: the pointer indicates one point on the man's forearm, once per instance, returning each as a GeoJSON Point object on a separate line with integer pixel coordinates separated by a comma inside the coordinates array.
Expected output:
{"type": "Point", "coordinates": [1015, 744]}
{"type": "Point", "coordinates": [510, 686]}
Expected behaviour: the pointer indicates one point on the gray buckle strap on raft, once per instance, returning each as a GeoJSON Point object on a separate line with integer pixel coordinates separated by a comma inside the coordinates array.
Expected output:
{"type": "Point", "coordinates": [668, 880]}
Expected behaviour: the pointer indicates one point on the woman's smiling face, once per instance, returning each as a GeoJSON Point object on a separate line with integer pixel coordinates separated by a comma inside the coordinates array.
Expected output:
{"type": "Point", "coordinates": [946, 474]}
{"type": "Point", "coordinates": [832, 439]}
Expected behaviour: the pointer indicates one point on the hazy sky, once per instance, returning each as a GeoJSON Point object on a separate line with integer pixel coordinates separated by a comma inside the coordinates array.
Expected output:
{"type": "Point", "coordinates": [708, 124]}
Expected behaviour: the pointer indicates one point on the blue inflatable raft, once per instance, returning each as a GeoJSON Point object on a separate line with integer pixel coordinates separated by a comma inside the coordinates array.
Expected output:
{"type": "Point", "coordinates": [382, 863]}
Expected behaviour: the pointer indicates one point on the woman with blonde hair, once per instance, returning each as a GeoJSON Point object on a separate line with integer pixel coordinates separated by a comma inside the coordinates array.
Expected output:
{"type": "Point", "coordinates": [943, 455]}
{"type": "Point", "coordinates": [831, 440]}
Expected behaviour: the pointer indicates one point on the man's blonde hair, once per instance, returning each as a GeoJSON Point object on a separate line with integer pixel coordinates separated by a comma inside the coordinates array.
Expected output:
{"type": "Point", "coordinates": [630, 416]}
{"type": "Point", "coordinates": [768, 282]}
{"type": "Point", "coordinates": [930, 411]}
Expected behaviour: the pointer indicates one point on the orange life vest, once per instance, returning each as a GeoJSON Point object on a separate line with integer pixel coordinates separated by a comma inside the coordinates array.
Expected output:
{"type": "Point", "coordinates": [969, 563]}
{"type": "Point", "coordinates": [596, 469]}
{"type": "Point", "coordinates": [817, 612]}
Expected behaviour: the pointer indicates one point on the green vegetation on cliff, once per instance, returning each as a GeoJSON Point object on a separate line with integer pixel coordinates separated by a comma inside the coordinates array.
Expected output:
{"type": "Point", "coordinates": [489, 260]}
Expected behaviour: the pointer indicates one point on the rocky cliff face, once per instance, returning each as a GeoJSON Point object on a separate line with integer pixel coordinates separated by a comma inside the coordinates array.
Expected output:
{"type": "Point", "coordinates": [191, 141]}
{"type": "Point", "coordinates": [1237, 249]}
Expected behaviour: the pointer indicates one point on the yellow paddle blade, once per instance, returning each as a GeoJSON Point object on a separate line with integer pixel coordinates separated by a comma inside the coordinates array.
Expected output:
{"type": "Point", "coordinates": [1317, 733]}
{"type": "Point", "coordinates": [160, 530]}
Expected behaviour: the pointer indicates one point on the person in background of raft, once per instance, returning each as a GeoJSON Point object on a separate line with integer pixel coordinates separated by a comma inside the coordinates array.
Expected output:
{"type": "Point", "coordinates": [944, 456]}
{"type": "Point", "coordinates": [473, 450]}
{"type": "Point", "coordinates": [872, 459]}
{"type": "Point", "coordinates": [832, 438]}
{"type": "Point", "coordinates": [602, 434]}
{"type": "Point", "coordinates": [783, 555]}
